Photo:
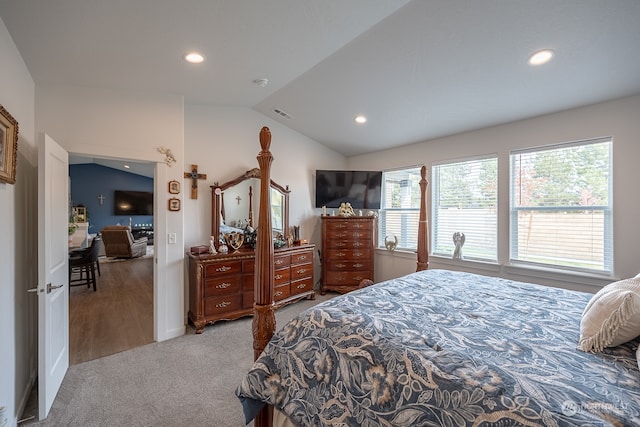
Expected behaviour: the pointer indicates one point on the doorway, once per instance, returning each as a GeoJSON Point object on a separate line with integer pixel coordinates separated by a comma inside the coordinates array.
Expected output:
{"type": "Point", "coordinates": [119, 314]}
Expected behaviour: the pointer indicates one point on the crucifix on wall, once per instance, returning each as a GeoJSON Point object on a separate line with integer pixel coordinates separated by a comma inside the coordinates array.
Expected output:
{"type": "Point", "coordinates": [194, 176]}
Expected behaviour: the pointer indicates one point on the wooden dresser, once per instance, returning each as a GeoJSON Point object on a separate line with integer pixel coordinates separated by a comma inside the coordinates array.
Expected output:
{"type": "Point", "coordinates": [221, 285]}
{"type": "Point", "coordinates": [348, 245]}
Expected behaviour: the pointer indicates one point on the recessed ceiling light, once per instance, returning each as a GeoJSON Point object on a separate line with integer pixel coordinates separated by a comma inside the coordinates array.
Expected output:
{"type": "Point", "coordinates": [127, 166]}
{"type": "Point", "coordinates": [541, 57]}
{"type": "Point", "coordinates": [361, 119]}
{"type": "Point", "coordinates": [194, 57]}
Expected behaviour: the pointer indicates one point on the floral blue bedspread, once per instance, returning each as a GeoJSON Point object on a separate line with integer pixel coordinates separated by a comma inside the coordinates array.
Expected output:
{"type": "Point", "coordinates": [444, 348]}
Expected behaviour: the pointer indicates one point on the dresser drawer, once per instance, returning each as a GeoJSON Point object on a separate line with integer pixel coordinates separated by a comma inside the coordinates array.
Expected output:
{"type": "Point", "coordinates": [247, 282]}
{"type": "Point", "coordinates": [350, 225]}
{"type": "Point", "coordinates": [301, 286]}
{"type": "Point", "coordinates": [247, 299]}
{"type": "Point", "coordinates": [302, 257]}
{"type": "Point", "coordinates": [342, 235]}
{"type": "Point", "coordinates": [280, 261]}
{"type": "Point", "coordinates": [219, 305]}
{"type": "Point", "coordinates": [301, 271]}
{"type": "Point", "coordinates": [349, 244]}
{"type": "Point", "coordinates": [347, 277]}
{"type": "Point", "coordinates": [349, 265]}
{"type": "Point", "coordinates": [223, 267]}
{"type": "Point", "coordinates": [281, 276]}
{"type": "Point", "coordinates": [281, 292]}
{"type": "Point", "coordinates": [347, 254]}
{"type": "Point", "coordinates": [222, 285]}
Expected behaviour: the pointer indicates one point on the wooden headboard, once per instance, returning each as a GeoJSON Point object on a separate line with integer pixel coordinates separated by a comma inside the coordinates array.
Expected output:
{"type": "Point", "coordinates": [264, 321]}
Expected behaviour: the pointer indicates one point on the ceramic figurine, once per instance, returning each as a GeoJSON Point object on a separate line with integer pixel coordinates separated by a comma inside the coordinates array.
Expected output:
{"type": "Point", "coordinates": [458, 240]}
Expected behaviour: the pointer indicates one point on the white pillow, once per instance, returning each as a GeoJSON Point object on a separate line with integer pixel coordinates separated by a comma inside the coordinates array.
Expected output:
{"type": "Point", "coordinates": [612, 317]}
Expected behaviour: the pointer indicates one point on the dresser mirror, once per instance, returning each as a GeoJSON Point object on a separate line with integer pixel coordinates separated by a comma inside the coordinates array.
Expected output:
{"type": "Point", "coordinates": [234, 205]}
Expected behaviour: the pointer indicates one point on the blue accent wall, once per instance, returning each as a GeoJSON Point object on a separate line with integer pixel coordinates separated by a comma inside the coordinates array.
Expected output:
{"type": "Point", "coordinates": [88, 181]}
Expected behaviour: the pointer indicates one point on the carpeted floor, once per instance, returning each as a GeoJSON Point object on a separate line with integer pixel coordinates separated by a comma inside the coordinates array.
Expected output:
{"type": "Point", "coordinates": [186, 381]}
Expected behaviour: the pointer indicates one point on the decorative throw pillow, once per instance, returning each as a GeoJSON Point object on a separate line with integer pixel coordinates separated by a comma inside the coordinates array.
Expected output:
{"type": "Point", "coordinates": [612, 317]}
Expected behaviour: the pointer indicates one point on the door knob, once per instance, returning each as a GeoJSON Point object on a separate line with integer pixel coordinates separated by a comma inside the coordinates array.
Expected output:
{"type": "Point", "coordinates": [51, 287]}
{"type": "Point", "coordinates": [33, 290]}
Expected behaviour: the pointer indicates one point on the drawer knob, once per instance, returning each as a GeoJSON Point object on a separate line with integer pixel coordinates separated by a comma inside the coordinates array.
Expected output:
{"type": "Point", "coordinates": [301, 286]}
{"type": "Point", "coordinates": [223, 285]}
{"type": "Point", "coordinates": [223, 268]}
{"type": "Point", "coordinates": [341, 254]}
{"type": "Point", "coordinates": [301, 271]}
{"type": "Point", "coordinates": [341, 265]}
{"type": "Point", "coordinates": [279, 261]}
{"type": "Point", "coordinates": [302, 257]}
{"type": "Point", "coordinates": [358, 265]}
{"type": "Point", "coordinates": [223, 304]}
{"type": "Point", "coordinates": [277, 294]}
{"type": "Point", "coordinates": [279, 276]}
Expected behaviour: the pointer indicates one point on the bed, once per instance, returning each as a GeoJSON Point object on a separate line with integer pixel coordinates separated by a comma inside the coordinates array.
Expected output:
{"type": "Point", "coordinates": [444, 348]}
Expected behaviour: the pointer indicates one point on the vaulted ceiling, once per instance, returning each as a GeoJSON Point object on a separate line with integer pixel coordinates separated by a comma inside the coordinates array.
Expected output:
{"type": "Point", "coordinates": [417, 69]}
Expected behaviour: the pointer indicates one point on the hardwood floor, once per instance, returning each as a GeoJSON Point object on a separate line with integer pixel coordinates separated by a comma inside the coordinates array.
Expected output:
{"type": "Point", "coordinates": [115, 318]}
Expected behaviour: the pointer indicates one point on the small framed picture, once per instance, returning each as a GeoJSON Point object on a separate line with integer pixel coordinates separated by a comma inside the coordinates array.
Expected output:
{"type": "Point", "coordinates": [8, 146]}
{"type": "Point", "coordinates": [174, 187]}
{"type": "Point", "coordinates": [174, 204]}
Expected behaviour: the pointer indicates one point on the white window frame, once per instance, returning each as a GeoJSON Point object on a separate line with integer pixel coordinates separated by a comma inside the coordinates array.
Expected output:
{"type": "Point", "coordinates": [480, 227]}
{"type": "Point", "coordinates": [407, 230]}
{"type": "Point", "coordinates": [561, 262]}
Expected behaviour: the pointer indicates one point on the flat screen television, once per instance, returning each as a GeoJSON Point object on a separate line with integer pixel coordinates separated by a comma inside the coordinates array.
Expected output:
{"type": "Point", "coordinates": [360, 188]}
{"type": "Point", "coordinates": [132, 202]}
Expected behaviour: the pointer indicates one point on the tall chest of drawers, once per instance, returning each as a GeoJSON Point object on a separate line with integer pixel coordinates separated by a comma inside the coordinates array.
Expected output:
{"type": "Point", "coordinates": [348, 245]}
{"type": "Point", "coordinates": [221, 285]}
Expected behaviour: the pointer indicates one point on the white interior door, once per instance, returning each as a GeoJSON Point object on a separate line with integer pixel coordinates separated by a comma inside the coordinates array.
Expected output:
{"type": "Point", "coordinates": [53, 271]}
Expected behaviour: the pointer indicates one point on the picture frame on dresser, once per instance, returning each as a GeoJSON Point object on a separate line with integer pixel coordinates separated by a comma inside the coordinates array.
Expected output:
{"type": "Point", "coordinates": [8, 146]}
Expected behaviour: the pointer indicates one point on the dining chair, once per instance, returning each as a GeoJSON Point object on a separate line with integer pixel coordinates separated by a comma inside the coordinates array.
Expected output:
{"type": "Point", "coordinates": [84, 263]}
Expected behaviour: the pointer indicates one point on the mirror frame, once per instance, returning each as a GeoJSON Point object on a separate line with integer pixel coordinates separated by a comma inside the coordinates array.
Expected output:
{"type": "Point", "coordinates": [216, 200]}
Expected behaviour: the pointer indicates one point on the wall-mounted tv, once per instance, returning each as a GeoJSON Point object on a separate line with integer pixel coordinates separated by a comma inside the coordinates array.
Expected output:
{"type": "Point", "coordinates": [360, 188]}
{"type": "Point", "coordinates": [132, 202]}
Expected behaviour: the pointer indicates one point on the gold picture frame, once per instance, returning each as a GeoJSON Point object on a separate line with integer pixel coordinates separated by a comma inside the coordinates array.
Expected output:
{"type": "Point", "coordinates": [174, 187]}
{"type": "Point", "coordinates": [174, 204]}
{"type": "Point", "coordinates": [8, 146]}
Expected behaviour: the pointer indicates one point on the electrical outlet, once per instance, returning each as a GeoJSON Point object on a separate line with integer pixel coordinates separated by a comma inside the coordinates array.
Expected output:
{"type": "Point", "coordinates": [172, 238]}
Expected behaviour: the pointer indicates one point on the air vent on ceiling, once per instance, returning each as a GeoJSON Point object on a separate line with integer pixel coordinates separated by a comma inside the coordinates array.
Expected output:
{"type": "Point", "coordinates": [282, 113]}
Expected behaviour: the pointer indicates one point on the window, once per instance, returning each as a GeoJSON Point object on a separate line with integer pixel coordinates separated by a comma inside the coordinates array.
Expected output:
{"type": "Point", "coordinates": [560, 209]}
{"type": "Point", "coordinates": [400, 207]}
{"type": "Point", "coordinates": [464, 200]}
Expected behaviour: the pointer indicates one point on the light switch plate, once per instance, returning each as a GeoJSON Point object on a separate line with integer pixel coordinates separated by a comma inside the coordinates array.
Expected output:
{"type": "Point", "coordinates": [172, 238]}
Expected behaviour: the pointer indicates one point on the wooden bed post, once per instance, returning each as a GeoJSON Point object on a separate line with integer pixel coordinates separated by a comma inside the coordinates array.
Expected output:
{"type": "Point", "coordinates": [264, 320]}
{"type": "Point", "coordinates": [423, 231]}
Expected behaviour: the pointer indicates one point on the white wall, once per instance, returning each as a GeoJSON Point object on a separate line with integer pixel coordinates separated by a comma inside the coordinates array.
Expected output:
{"type": "Point", "coordinates": [18, 245]}
{"type": "Point", "coordinates": [619, 118]}
{"type": "Point", "coordinates": [224, 143]}
{"type": "Point", "coordinates": [129, 125]}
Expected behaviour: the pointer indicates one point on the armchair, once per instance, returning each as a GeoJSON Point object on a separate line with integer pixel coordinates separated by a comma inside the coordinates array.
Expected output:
{"type": "Point", "coordinates": [119, 242]}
